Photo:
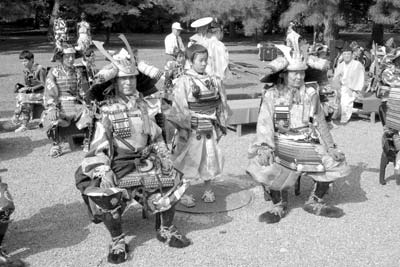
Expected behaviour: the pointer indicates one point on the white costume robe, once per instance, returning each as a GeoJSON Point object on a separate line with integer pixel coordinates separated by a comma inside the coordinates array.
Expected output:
{"type": "Point", "coordinates": [352, 79]}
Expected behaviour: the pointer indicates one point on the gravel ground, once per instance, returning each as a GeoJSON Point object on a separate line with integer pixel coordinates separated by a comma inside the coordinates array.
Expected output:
{"type": "Point", "coordinates": [50, 226]}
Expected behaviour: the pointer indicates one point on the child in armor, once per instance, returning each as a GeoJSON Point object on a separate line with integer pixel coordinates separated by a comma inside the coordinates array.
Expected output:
{"type": "Point", "coordinates": [200, 116]}
{"type": "Point", "coordinates": [31, 92]}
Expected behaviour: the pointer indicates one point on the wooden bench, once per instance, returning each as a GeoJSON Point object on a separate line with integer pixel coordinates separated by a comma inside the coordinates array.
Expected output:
{"type": "Point", "coordinates": [367, 107]}
{"type": "Point", "coordinates": [244, 111]}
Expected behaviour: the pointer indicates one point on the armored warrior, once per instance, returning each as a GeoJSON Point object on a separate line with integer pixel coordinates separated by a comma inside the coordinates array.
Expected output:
{"type": "Point", "coordinates": [129, 161]}
{"type": "Point", "coordinates": [200, 116]}
{"type": "Point", "coordinates": [62, 99]}
{"type": "Point", "coordinates": [293, 139]}
{"type": "Point", "coordinates": [31, 92]}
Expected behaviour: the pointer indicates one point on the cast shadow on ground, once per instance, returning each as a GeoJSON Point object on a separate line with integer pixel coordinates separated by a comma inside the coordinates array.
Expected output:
{"type": "Point", "coordinates": [346, 190]}
{"type": "Point", "coordinates": [58, 226]}
{"type": "Point", "coordinates": [17, 147]}
{"type": "Point", "coordinates": [5, 114]}
{"type": "Point", "coordinates": [244, 51]}
{"type": "Point", "coordinates": [3, 75]}
{"type": "Point", "coordinates": [143, 230]}
{"type": "Point", "coordinates": [239, 85]}
{"type": "Point", "coordinates": [35, 46]}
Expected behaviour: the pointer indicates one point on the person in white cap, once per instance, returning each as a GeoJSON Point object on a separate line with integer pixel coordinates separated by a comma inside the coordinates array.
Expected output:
{"type": "Point", "coordinates": [201, 26]}
{"type": "Point", "coordinates": [173, 40]}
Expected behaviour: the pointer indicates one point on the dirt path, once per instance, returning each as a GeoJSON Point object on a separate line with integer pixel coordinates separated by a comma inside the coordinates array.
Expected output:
{"type": "Point", "coordinates": [50, 226]}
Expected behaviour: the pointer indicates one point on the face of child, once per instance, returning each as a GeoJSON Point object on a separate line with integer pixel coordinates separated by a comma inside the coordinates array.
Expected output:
{"type": "Point", "coordinates": [27, 63]}
{"type": "Point", "coordinates": [200, 62]}
{"type": "Point", "coordinates": [180, 59]}
{"type": "Point", "coordinates": [90, 59]}
{"type": "Point", "coordinates": [68, 59]}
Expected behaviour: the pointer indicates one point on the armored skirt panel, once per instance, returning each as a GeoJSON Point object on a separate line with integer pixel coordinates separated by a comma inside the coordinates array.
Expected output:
{"type": "Point", "coordinates": [393, 111]}
{"type": "Point", "coordinates": [200, 156]}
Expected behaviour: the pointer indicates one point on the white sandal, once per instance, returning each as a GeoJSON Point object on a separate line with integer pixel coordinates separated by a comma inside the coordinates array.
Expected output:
{"type": "Point", "coordinates": [188, 201]}
{"type": "Point", "coordinates": [208, 196]}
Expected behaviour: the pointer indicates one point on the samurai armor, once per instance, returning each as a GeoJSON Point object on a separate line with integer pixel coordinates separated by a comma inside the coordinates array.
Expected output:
{"type": "Point", "coordinates": [150, 179]}
{"type": "Point", "coordinates": [201, 125]}
{"type": "Point", "coordinates": [120, 121]}
{"type": "Point", "coordinates": [282, 116]}
{"type": "Point", "coordinates": [31, 98]}
{"type": "Point", "coordinates": [297, 155]}
{"type": "Point", "coordinates": [69, 107]}
{"type": "Point", "coordinates": [393, 109]}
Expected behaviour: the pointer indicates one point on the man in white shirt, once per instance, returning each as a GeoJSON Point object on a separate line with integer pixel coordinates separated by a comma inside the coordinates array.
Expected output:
{"type": "Point", "coordinates": [173, 40]}
{"type": "Point", "coordinates": [350, 75]}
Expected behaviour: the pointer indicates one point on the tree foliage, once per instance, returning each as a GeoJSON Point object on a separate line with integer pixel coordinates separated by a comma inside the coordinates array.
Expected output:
{"type": "Point", "coordinates": [385, 12]}
{"type": "Point", "coordinates": [252, 13]}
{"type": "Point", "coordinates": [11, 10]}
{"type": "Point", "coordinates": [314, 13]}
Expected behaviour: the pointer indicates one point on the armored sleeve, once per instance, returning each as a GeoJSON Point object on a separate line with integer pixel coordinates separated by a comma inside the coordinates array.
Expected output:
{"type": "Point", "coordinates": [51, 92]}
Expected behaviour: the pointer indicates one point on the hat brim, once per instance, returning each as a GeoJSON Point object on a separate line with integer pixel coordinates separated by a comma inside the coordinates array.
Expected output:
{"type": "Point", "coordinates": [299, 67]}
{"type": "Point", "coordinates": [177, 28]}
{"type": "Point", "coordinates": [201, 22]}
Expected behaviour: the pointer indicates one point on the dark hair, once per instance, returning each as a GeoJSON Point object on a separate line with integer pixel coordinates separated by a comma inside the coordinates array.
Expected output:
{"type": "Point", "coordinates": [26, 54]}
{"type": "Point", "coordinates": [88, 52]}
{"type": "Point", "coordinates": [193, 50]}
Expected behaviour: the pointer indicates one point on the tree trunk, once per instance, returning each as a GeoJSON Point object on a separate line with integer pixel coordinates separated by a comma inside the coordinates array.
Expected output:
{"type": "Point", "coordinates": [377, 34]}
{"type": "Point", "coordinates": [54, 12]}
{"type": "Point", "coordinates": [232, 32]}
{"type": "Point", "coordinates": [108, 34]}
{"type": "Point", "coordinates": [331, 30]}
{"type": "Point", "coordinates": [36, 23]}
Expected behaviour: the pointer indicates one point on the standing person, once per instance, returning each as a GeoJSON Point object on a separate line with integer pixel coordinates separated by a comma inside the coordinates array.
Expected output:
{"type": "Point", "coordinates": [128, 160]}
{"type": "Point", "coordinates": [218, 56]}
{"type": "Point", "coordinates": [293, 140]}
{"type": "Point", "coordinates": [201, 26]}
{"type": "Point", "coordinates": [173, 40]}
{"type": "Point", "coordinates": [85, 38]}
{"type": "Point", "coordinates": [199, 115]}
{"type": "Point", "coordinates": [350, 77]}
{"type": "Point", "coordinates": [31, 93]}
{"type": "Point", "coordinates": [292, 37]}
{"type": "Point", "coordinates": [62, 100]}
{"type": "Point", "coordinates": [60, 33]}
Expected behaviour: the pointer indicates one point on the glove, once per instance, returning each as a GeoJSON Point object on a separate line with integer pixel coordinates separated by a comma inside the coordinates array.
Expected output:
{"type": "Point", "coordinates": [52, 114]}
{"type": "Point", "coordinates": [265, 156]}
{"type": "Point", "coordinates": [166, 164]}
{"type": "Point", "coordinates": [108, 180]}
{"type": "Point", "coordinates": [25, 89]}
{"type": "Point", "coordinates": [336, 154]}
